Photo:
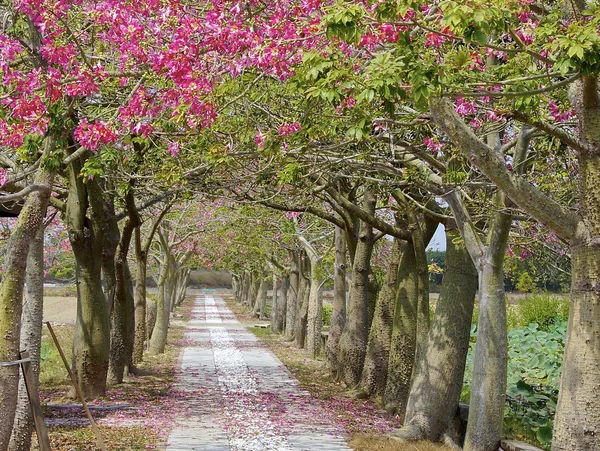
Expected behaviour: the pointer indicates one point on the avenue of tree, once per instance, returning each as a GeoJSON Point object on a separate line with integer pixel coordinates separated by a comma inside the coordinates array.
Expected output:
{"type": "Point", "coordinates": [300, 144]}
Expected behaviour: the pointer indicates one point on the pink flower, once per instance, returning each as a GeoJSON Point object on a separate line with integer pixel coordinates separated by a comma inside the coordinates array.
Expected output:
{"type": "Point", "coordinates": [92, 136]}
{"type": "Point", "coordinates": [288, 129]}
{"type": "Point", "coordinates": [259, 139]}
{"type": "Point", "coordinates": [173, 148]}
{"type": "Point", "coordinates": [432, 144]}
{"type": "Point", "coordinates": [464, 108]}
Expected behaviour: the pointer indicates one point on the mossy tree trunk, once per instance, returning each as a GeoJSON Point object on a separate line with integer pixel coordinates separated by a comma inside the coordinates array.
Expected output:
{"type": "Point", "coordinates": [338, 316]}
{"type": "Point", "coordinates": [302, 303]}
{"type": "Point", "coordinates": [435, 391]}
{"type": "Point", "coordinates": [292, 304]}
{"type": "Point", "coordinates": [404, 339]}
{"type": "Point", "coordinates": [353, 342]}
{"type": "Point", "coordinates": [86, 223]}
{"type": "Point", "coordinates": [24, 232]}
{"type": "Point", "coordinates": [142, 248]}
{"type": "Point", "coordinates": [31, 339]}
{"type": "Point", "coordinates": [123, 312]}
{"type": "Point", "coordinates": [375, 369]}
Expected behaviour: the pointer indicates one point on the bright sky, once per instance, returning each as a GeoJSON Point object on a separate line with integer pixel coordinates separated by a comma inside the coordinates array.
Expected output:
{"type": "Point", "coordinates": [438, 242]}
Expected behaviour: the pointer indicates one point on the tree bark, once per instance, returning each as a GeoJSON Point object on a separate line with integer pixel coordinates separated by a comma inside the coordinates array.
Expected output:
{"type": "Point", "coordinates": [437, 383]}
{"type": "Point", "coordinates": [158, 340]}
{"type": "Point", "coordinates": [488, 387]}
{"type": "Point", "coordinates": [303, 293]}
{"type": "Point", "coordinates": [31, 340]}
{"type": "Point", "coordinates": [292, 304]}
{"type": "Point", "coordinates": [140, 300]}
{"type": "Point", "coordinates": [338, 316]}
{"type": "Point", "coordinates": [375, 368]}
{"type": "Point", "coordinates": [353, 342]}
{"type": "Point", "coordinates": [92, 327]}
{"type": "Point", "coordinates": [281, 306]}
{"type": "Point", "coordinates": [123, 312]}
{"type": "Point", "coordinates": [403, 343]}
{"type": "Point", "coordinates": [261, 299]}
{"type": "Point", "coordinates": [11, 294]}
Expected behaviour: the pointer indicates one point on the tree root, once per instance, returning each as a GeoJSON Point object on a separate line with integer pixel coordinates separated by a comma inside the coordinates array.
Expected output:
{"type": "Point", "coordinates": [408, 433]}
{"type": "Point", "coordinates": [412, 433]}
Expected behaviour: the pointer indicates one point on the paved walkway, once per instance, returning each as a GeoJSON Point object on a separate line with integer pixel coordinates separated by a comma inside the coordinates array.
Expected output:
{"type": "Point", "coordinates": [245, 399]}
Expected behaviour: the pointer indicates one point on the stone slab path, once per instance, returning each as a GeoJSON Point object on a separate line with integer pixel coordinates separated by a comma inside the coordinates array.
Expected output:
{"type": "Point", "coordinates": [242, 397]}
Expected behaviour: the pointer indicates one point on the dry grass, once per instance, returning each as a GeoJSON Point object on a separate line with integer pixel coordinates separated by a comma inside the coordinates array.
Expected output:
{"type": "Point", "coordinates": [364, 442]}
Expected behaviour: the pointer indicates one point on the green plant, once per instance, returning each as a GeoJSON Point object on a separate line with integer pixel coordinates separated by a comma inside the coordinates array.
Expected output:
{"type": "Point", "coordinates": [326, 314]}
{"type": "Point", "coordinates": [525, 283]}
{"type": "Point", "coordinates": [533, 377]}
{"type": "Point", "coordinates": [542, 309]}
{"type": "Point", "coordinates": [535, 360]}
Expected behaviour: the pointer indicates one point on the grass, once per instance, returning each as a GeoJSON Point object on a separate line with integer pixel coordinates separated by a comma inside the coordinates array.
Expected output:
{"type": "Point", "coordinates": [369, 442]}
{"type": "Point", "coordinates": [52, 370]}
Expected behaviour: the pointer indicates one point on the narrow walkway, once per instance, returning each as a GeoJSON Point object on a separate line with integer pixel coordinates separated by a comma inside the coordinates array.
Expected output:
{"type": "Point", "coordinates": [246, 399]}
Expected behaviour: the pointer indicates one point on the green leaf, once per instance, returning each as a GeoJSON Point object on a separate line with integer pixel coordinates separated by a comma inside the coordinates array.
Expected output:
{"type": "Point", "coordinates": [480, 37]}
{"type": "Point", "coordinates": [544, 435]}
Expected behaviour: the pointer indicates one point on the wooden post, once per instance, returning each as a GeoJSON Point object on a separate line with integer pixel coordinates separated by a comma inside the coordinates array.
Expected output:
{"type": "Point", "coordinates": [99, 439]}
{"type": "Point", "coordinates": [34, 402]}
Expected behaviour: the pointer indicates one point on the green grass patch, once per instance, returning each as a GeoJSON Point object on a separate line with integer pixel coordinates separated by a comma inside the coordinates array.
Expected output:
{"type": "Point", "coordinates": [52, 369]}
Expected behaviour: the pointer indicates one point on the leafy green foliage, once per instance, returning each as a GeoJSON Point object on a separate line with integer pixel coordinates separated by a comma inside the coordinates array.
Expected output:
{"type": "Point", "coordinates": [543, 310]}
{"type": "Point", "coordinates": [535, 361]}
{"type": "Point", "coordinates": [525, 283]}
{"type": "Point", "coordinates": [533, 376]}
{"type": "Point", "coordinates": [326, 314]}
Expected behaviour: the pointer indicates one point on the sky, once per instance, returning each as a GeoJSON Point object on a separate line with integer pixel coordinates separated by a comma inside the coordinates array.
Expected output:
{"type": "Point", "coordinates": [438, 242]}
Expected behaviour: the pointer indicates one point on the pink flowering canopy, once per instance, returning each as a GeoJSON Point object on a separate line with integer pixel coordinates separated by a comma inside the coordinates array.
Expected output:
{"type": "Point", "coordinates": [140, 67]}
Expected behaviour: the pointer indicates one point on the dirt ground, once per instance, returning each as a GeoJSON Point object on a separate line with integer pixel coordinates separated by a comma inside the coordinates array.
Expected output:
{"type": "Point", "coordinates": [60, 309]}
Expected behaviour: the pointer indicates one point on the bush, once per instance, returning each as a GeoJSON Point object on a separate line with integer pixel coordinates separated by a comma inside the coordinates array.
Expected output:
{"type": "Point", "coordinates": [326, 314]}
{"type": "Point", "coordinates": [543, 310]}
{"type": "Point", "coordinates": [525, 283]}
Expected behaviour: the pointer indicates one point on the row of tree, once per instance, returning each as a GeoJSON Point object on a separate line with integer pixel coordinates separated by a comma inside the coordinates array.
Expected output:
{"type": "Point", "coordinates": [378, 118]}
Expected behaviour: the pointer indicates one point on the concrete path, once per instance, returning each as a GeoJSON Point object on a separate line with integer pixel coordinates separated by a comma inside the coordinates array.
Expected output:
{"type": "Point", "coordinates": [241, 396]}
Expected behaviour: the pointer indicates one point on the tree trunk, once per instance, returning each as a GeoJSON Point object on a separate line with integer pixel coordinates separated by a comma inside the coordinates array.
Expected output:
{"type": "Point", "coordinates": [11, 295]}
{"type": "Point", "coordinates": [353, 342]}
{"type": "Point", "coordinates": [278, 315]}
{"type": "Point", "coordinates": [261, 299]}
{"type": "Point", "coordinates": [158, 340]}
{"type": "Point", "coordinates": [375, 369]}
{"type": "Point", "coordinates": [303, 293]}
{"type": "Point", "coordinates": [292, 302]}
{"type": "Point", "coordinates": [151, 313]}
{"type": "Point", "coordinates": [403, 342]}
{"type": "Point", "coordinates": [92, 328]}
{"type": "Point", "coordinates": [578, 411]}
{"type": "Point", "coordinates": [437, 383]}
{"type": "Point", "coordinates": [31, 340]}
{"type": "Point", "coordinates": [112, 236]}
{"type": "Point", "coordinates": [314, 325]}
{"type": "Point", "coordinates": [123, 312]}
{"type": "Point", "coordinates": [140, 301]}
{"type": "Point", "coordinates": [488, 387]}
{"type": "Point", "coordinates": [338, 316]}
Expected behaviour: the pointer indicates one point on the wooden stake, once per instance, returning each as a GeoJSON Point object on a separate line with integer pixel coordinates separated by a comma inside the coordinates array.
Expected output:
{"type": "Point", "coordinates": [34, 402]}
{"type": "Point", "coordinates": [99, 439]}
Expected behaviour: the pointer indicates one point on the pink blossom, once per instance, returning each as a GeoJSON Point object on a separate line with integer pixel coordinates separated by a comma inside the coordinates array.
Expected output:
{"type": "Point", "coordinates": [259, 139]}
{"type": "Point", "coordinates": [92, 135]}
{"type": "Point", "coordinates": [173, 149]}
{"type": "Point", "coordinates": [464, 107]}
{"type": "Point", "coordinates": [432, 144]}
{"type": "Point", "coordinates": [289, 129]}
